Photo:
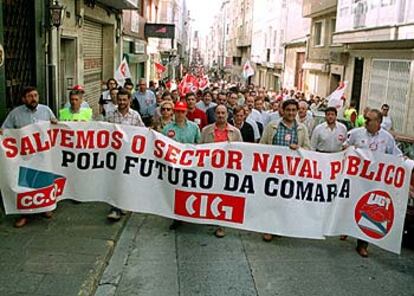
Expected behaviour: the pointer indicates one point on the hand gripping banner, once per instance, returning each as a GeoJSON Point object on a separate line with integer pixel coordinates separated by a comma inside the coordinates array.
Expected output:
{"type": "Point", "coordinates": [254, 187]}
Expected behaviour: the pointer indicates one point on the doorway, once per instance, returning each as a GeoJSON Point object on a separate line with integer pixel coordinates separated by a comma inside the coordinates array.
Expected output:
{"type": "Point", "coordinates": [357, 81]}
{"type": "Point", "coordinates": [67, 69]}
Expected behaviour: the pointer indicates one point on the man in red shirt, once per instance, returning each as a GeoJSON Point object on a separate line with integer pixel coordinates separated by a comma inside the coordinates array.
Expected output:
{"type": "Point", "coordinates": [220, 131]}
{"type": "Point", "coordinates": [194, 114]}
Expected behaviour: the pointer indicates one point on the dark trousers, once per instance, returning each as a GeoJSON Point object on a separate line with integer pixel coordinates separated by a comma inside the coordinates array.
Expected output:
{"type": "Point", "coordinates": [361, 244]}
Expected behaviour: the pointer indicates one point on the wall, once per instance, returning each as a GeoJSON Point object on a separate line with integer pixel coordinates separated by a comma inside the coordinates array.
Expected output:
{"type": "Point", "coordinates": [371, 14]}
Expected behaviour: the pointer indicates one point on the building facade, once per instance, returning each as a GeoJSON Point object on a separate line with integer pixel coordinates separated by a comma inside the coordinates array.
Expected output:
{"type": "Point", "coordinates": [379, 41]}
{"type": "Point", "coordinates": [24, 31]}
{"type": "Point", "coordinates": [325, 61]}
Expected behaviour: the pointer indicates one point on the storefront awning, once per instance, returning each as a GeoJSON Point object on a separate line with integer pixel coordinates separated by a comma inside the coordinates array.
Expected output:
{"type": "Point", "coordinates": [136, 58]}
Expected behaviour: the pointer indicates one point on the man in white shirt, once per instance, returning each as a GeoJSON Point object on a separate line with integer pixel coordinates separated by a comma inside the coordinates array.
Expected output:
{"type": "Point", "coordinates": [375, 138]}
{"type": "Point", "coordinates": [305, 116]}
{"type": "Point", "coordinates": [386, 119]}
{"type": "Point", "coordinates": [329, 136]}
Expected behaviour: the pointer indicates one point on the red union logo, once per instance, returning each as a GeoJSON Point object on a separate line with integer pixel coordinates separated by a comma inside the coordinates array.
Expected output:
{"type": "Point", "coordinates": [209, 206]}
{"type": "Point", "coordinates": [374, 214]}
{"type": "Point", "coordinates": [41, 198]}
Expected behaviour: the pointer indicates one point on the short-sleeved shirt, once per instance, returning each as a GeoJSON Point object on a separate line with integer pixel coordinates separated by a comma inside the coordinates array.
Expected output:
{"type": "Point", "coordinates": [286, 136]}
{"type": "Point", "coordinates": [198, 116]}
{"type": "Point", "coordinates": [132, 117]}
{"type": "Point", "coordinates": [22, 116]}
{"type": "Point", "coordinates": [147, 103]}
{"type": "Point", "coordinates": [325, 139]}
{"type": "Point", "coordinates": [189, 134]}
{"type": "Point", "coordinates": [382, 141]}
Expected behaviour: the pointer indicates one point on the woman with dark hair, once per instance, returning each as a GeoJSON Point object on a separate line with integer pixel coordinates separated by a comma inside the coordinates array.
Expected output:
{"type": "Point", "coordinates": [106, 95]}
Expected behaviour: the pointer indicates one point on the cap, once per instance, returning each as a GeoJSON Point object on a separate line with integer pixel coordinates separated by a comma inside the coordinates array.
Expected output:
{"type": "Point", "coordinates": [78, 87]}
{"type": "Point", "coordinates": [180, 106]}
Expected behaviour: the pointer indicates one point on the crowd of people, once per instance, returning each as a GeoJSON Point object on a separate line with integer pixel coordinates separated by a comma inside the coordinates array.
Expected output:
{"type": "Point", "coordinates": [222, 112]}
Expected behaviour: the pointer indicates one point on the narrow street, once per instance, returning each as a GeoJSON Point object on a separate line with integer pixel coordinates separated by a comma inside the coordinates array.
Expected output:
{"type": "Point", "coordinates": [149, 259]}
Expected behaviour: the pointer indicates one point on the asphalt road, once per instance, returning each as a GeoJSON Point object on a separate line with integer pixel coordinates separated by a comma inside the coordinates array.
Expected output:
{"type": "Point", "coordinates": [149, 259]}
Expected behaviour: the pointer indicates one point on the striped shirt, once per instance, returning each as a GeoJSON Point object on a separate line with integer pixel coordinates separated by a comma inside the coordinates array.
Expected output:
{"type": "Point", "coordinates": [132, 117]}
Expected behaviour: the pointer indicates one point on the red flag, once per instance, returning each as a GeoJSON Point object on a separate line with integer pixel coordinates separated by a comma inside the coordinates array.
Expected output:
{"type": "Point", "coordinates": [203, 82]}
{"type": "Point", "coordinates": [159, 68]}
{"type": "Point", "coordinates": [188, 84]}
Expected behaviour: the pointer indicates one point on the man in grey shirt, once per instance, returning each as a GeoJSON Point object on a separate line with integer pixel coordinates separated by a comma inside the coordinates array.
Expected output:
{"type": "Point", "coordinates": [144, 102]}
{"type": "Point", "coordinates": [30, 112]}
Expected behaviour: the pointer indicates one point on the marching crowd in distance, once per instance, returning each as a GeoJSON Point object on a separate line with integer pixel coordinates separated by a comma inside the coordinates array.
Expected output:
{"type": "Point", "coordinates": [222, 112]}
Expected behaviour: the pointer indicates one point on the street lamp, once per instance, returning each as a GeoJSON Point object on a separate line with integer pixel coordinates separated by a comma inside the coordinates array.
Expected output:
{"type": "Point", "coordinates": [56, 14]}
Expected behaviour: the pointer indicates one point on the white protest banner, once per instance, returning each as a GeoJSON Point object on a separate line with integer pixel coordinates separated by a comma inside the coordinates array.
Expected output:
{"type": "Point", "coordinates": [253, 187]}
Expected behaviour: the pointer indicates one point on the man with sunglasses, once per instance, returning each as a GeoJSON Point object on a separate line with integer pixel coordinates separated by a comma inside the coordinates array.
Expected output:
{"type": "Point", "coordinates": [375, 138]}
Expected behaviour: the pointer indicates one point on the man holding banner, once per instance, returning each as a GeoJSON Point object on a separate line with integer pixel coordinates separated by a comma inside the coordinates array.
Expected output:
{"type": "Point", "coordinates": [220, 131]}
{"type": "Point", "coordinates": [287, 132]}
{"type": "Point", "coordinates": [184, 131]}
{"type": "Point", "coordinates": [374, 138]}
{"type": "Point", "coordinates": [123, 115]}
{"type": "Point", "coordinates": [30, 112]}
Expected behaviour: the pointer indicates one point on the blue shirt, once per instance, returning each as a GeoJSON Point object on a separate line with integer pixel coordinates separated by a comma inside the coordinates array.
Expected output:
{"type": "Point", "coordinates": [147, 103]}
{"type": "Point", "coordinates": [22, 116]}
{"type": "Point", "coordinates": [189, 134]}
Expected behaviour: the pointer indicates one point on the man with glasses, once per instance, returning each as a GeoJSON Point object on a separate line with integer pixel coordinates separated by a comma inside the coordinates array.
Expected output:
{"type": "Point", "coordinates": [144, 102]}
{"type": "Point", "coordinates": [375, 138]}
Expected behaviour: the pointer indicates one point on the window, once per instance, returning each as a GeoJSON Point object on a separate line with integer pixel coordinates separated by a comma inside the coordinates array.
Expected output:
{"type": "Point", "coordinates": [389, 83]}
{"type": "Point", "coordinates": [274, 38]}
{"type": "Point", "coordinates": [268, 55]}
{"type": "Point", "coordinates": [318, 34]}
{"type": "Point", "coordinates": [333, 28]}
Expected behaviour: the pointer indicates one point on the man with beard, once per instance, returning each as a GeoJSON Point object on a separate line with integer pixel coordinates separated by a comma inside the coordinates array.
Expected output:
{"type": "Point", "coordinates": [30, 112]}
{"type": "Point", "coordinates": [123, 115]}
{"type": "Point", "coordinates": [329, 136]}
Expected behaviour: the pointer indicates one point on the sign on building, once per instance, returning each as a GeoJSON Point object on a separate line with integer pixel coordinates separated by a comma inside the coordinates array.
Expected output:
{"type": "Point", "coordinates": [159, 31]}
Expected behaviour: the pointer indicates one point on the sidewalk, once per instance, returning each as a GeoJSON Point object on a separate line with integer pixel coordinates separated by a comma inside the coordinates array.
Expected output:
{"type": "Point", "coordinates": [62, 256]}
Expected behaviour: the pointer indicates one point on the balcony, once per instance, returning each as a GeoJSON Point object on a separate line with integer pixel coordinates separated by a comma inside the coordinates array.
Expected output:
{"type": "Point", "coordinates": [121, 4]}
{"type": "Point", "coordinates": [313, 8]}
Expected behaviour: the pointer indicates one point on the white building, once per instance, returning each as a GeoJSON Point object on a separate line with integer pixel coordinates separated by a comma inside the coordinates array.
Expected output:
{"type": "Point", "coordinates": [379, 41]}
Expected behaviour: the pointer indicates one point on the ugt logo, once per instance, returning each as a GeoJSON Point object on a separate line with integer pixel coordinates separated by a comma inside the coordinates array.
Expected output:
{"type": "Point", "coordinates": [374, 214]}
{"type": "Point", "coordinates": [48, 187]}
{"type": "Point", "coordinates": [209, 206]}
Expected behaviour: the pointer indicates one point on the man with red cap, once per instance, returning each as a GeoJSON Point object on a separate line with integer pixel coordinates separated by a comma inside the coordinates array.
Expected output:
{"type": "Point", "coordinates": [182, 130]}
